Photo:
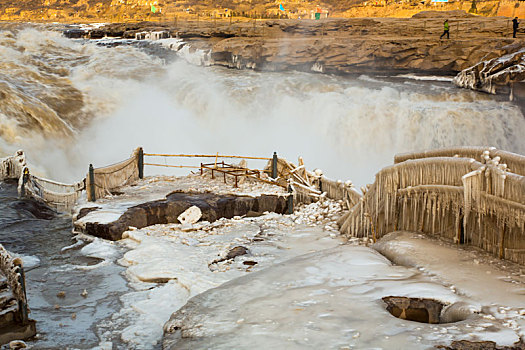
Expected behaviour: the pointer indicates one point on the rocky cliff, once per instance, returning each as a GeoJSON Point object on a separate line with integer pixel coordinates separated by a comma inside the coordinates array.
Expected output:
{"type": "Point", "coordinates": [341, 46]}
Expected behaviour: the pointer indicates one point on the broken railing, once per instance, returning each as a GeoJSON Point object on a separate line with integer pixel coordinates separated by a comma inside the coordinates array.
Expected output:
{"type": "Point", "coordinates": [309, 186]}
{"type": "Point", "coordinates": [468, 201]}
{"type": "Point", "coordinates": [305, 187]}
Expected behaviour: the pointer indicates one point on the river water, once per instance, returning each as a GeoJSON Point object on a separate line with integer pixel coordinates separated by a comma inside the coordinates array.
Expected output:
{"type": "Point", "coordinates": [69, 103]}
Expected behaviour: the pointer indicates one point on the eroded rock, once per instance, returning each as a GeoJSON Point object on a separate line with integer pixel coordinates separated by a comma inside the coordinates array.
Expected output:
{"type": "Point", "coordinates": [480, 345]}
{"type": "Point", "coordinates": [212, 207]}
{"type": "Point", "coordinates": [414, 309]}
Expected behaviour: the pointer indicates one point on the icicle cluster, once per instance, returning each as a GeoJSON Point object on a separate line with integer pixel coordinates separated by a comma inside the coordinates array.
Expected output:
{"type": "Point", "coordinates": [11, 167]}
{"type": "Point", "coordinates": [515, 162]}
{"type": "Point", "coordinates": [455, 197]}
{"type": "Point", "coordinates": [488, 75]}
{"type": "Point", "coordinates": [9, 268]}
{"type": "Point", "coordinates": [338, 190]}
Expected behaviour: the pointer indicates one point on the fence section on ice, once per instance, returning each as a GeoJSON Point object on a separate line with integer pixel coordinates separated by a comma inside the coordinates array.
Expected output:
{"type": "Point", "coordinates": [58, 195]}
{"type": "Point", "coordinates": [459, 198]}
{"type": "Point", "coordinates": [61, 196]}
{"type": "Point", "coordinates": [102, 181]}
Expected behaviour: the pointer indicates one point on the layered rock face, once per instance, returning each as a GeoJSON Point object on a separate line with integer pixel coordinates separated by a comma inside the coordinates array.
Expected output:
{"type": "Point", "coordinates": [342, 46]}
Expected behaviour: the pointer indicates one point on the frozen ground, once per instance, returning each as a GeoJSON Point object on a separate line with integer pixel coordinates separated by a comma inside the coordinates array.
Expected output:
{"type": "Point", "coordinates": [298, 285]}
{"type": "Point", "coordinates": [169, 264]}
{"type": "Point", "coordinates": [331, 299]}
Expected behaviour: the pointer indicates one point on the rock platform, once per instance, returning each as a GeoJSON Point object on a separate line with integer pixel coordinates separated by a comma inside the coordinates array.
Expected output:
{"type": "Point", "coordinates": [160, 200]}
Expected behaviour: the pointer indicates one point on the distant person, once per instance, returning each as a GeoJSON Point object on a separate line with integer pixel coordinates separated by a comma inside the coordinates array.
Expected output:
{"type": "Point", "coordinates": [445, 25]}
{"type": "Point", "coordinates": [515, 24]}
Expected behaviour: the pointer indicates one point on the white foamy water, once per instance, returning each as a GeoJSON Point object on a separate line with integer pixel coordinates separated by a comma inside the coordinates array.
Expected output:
{"type": "Point", "coordinates": [124, 97]}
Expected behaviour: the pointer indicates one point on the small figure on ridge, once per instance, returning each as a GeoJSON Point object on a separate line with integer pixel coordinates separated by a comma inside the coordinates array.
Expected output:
{"type": "Point", "coordinates": [445, 25]}
{"type": "Point", "coordinates": [515, 24]}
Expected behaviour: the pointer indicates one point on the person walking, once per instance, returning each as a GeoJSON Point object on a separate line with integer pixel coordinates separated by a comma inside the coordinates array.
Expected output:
{"type": "Point", "coordinates": [515, 24]}
{"type": "Point", "coordinates": [445, 25]}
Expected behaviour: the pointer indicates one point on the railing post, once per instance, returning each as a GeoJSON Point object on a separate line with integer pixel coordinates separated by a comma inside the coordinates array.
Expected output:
{"type": "Point", "coordinates": [290, 200]}
{"type": "Point", "coordinates": [25, 179]}
{"type": "Point", "coordinates": [274, 165]}
{"type": "Point", "coordinates": [141, 163]}
{"type": "Point", "coordinates": [22, 304]}
{"type": "Point", "coordinates": [91, 193]}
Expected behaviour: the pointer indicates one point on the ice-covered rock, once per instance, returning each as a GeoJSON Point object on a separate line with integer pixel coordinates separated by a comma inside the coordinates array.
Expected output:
{"type": "Point", "coordinates": [490, 74]}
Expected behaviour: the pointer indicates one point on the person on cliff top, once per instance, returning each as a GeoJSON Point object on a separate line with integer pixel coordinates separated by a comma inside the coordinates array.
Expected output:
{"type": "Point", "coordinates": [445, 25]}
{"type": "Point", "coordinates": [515, 24]}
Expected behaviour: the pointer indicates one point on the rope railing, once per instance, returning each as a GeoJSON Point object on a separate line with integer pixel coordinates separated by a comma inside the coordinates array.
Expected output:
{"type": "Point", "coordinates": [174, 166]}
{"type": "Point", "coordinates": [101, 181]}
{"type": "Point", "coordinates": [204, 156]}
{"type": "Point", "coordinates": [235, 171]}
{"type": "Point", "coordinates": [60, 196]}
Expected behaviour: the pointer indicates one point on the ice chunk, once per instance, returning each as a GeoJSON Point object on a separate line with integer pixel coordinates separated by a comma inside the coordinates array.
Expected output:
{"type": "Point", "coordinates": [190, 216]}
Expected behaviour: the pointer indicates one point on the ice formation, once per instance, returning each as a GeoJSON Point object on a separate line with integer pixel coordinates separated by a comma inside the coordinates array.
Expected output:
{"type": "Point", "coordinates": [11, 167]}
{"type": "Point", "coordinates": [331, 299]}
{"type": "Point", "coordinates": [190, 216]}
{"type": "Point", "coordinates": [488, 75]}
{"type": "Point", "coordinates": [9, 266]}
{"type": "Point", "coordinates": [468, 201]}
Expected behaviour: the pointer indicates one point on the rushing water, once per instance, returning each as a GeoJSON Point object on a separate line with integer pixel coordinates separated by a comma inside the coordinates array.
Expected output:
{"type": "Point", "coordinates": [69, 103]}
{"type": "Point", "coordinates": [55, 263]}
